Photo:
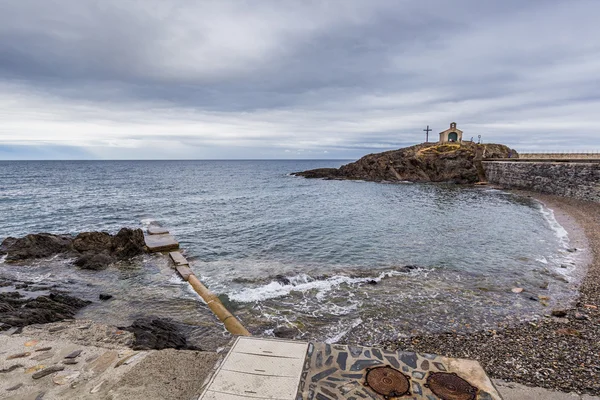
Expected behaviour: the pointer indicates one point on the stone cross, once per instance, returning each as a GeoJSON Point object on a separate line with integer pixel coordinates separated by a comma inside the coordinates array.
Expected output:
{"type": "Point", "coordinates": [427, 133]}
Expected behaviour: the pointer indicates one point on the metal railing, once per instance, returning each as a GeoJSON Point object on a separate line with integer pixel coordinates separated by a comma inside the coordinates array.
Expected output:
{"type": "Point", "coordinates": [557, 155]}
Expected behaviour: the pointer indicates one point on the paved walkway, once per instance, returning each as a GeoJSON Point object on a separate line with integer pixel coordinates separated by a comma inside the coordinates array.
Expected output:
{"type": "Point", "coordinates": [286, 370]}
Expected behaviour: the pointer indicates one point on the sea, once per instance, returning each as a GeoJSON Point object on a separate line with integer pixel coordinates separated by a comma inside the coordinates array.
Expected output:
{"type": "Point", "coordinates": [337, 261]}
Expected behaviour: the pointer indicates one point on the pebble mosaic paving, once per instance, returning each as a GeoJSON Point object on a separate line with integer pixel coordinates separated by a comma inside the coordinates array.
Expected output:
{"type": "Point", "coordinates": [278, 369]}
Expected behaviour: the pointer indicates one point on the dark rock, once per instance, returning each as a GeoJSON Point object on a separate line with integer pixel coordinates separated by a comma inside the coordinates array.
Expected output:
{"type": "Point", "coordinates": [155, 333]}
{"type": "Point", "coordinates": [372, 282]}
{"type": "Point", "coordinates": [95, 242]}
{"type": "Point", "coordinates": [286, 332]}
{"type": "Point", "coordinates": [104, 296]}
{"type": "Point", "coordinates": [15, 387]}
{"type": "Point", "coordinates": [95, 261]}
{"type": "Point", "coordinates": [426, 162]}
{"type": "Point", "coordinates": [283, 280]}
{"type": "Point", "coordinates": [38, 245]}
{"type": "Point", "coordinates": [94, 250]}
{"type": "Point", "coordinates": [74, 354]}
{"type": "Point", "coordinates": [559, 313]}
{"type": "Point", "coordinates": [10, 369]}
{"type": "Point", "coordinates": [47, 371]}
{"type": "Point", "coordinates": [18, 311]}
{"type": "Point", "coordinates": [128, 243]}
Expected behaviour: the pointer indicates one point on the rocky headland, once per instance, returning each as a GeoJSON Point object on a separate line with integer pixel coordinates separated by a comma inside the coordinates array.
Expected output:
{"type": "Point", "coordinates": [426, 162]}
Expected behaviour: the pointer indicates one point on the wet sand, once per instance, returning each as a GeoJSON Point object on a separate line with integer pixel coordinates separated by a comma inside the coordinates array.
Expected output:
{"type": "Point", "coordinates": [561, 353]}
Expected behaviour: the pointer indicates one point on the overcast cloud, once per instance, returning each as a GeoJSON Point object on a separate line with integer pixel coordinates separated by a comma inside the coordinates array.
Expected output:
{"type": "Point", "coordinates": [116, 79]}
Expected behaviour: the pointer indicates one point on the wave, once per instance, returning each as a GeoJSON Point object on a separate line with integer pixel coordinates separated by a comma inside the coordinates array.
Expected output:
{"type": "Point", "coordinates": [304, 283]}
{"type": "Point", "coordinates": [560, 232]}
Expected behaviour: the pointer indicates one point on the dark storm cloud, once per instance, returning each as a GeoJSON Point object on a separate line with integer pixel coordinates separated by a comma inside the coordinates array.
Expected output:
{"type": "Point", "coordinates": [153, 78]}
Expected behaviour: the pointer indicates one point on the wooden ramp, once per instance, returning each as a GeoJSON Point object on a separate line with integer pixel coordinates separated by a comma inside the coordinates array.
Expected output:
{"type": "Point", "coordinates": [259, 369]}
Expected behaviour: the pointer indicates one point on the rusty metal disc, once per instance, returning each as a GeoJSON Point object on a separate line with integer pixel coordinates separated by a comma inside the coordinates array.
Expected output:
{"type": "Point", "coordinates": [387, 381]}
{"type": "Point", "coordinates": [449, 386]}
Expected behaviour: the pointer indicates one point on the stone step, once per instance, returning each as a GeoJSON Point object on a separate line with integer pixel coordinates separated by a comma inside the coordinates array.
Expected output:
{"type": "Point", "coordinates": [157, 230]}
{"type": "Point", "coordinates": [158, 243]}
{"type": "Point", "coordinates": [178, 258]}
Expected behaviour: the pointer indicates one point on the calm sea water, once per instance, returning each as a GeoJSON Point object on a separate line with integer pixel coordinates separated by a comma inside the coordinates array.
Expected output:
{"type": "Point", "coordinates": [327, 257]}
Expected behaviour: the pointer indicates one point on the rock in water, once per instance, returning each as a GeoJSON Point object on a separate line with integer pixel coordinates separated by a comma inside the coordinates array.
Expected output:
{"type": "Point", "coordinates": [17, 311]}
{"type": "Point", "coordinates": [128, 243]}
{"type": "Point", "coordinates": [286, 332]}
{"type": "Point", "coordinates": [38, 245]}
{"type": "Point", "coordinates": [94, 250]}
{"type": "Point", "coordinates": [426, 162]}
{"type": "Point", "coordinates": [95, 261]}
{"type": "Point", "coordinates": [96, 242]}
{"type": "Point", "coordinates": [159, 334]}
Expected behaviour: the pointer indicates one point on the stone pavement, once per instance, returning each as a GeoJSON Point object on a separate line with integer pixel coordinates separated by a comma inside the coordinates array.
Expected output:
{"type": "Point", "coordinates": [37, 368]}
{"type": "Point", "coordinates": [286, 370]}
{"type": "Point", "coordinates": [83, 360]}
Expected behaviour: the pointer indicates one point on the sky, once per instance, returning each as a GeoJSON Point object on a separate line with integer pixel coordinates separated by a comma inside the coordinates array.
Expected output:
{"type": "Point", "coordinates": [307, 79]}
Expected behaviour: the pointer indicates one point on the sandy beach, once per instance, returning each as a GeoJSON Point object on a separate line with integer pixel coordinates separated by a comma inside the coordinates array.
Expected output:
{"type": "Point", "coordinates": [561, 353]}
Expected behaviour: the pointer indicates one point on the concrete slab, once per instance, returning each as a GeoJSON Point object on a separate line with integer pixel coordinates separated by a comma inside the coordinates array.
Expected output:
{"type": "Point", "coordinates": [178, 258]}
{"type": "Point", "coordinates": [158, 243]}
{"type": "Point", "coordinates": [156, 230]}
{"type": "Point", "coordinates": [258, 369]}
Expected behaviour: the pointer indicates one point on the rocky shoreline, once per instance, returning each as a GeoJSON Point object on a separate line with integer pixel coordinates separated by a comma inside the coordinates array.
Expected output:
{"type": "Point", "coordinates": [425, 162]}
{"type": "Point", "coordinates": [561, 351]}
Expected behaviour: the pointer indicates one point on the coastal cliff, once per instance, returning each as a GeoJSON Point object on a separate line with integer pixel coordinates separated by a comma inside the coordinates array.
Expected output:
{"type": "Point", "coordinates": [426, 162]}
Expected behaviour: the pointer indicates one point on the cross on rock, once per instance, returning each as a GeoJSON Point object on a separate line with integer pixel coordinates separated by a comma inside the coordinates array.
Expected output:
{"type": "Point", "coordinates": [427, 133]}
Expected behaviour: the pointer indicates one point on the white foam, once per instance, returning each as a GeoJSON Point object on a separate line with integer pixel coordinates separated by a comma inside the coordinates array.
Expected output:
{"type": "Point", "coordinates": [336, 338]}
{"type": "Point", "coordinates": [302, 283]}
{"type": "Point", "coordinates": [147, 221]}
{"type": "Point", "coordinates": [3, 258]}
{"type": "Point", "coordinates": [175, 279]}
{"type": "Point", "coordinates": [542, 260]}
{"type": "Point", "coordinates": [560, 232]}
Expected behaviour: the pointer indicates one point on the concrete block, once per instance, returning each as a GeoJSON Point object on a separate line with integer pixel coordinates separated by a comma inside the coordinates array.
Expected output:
{"type": "Point", "coordinates": [178, 258]}
{"type": "Point", "coordinates": [184, 271]}
{"type": "Point", "coordinates": [157, 230]}
{"type": "Point", "coordinates": [165, 242]}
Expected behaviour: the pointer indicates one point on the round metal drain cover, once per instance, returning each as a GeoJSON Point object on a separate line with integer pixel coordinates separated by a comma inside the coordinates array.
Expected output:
{"type": "Point", "coordinates": [387, 381]}
{"type": "Point", "coordinates": [449, 386]}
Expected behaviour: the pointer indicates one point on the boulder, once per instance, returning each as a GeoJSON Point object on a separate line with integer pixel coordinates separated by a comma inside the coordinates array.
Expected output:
{"type": "Point", "coordinates": [156, 333]}
{"type": "Point", "coordinates": [286, 332]}
{"type": "Point", "coordinates": [96, 242]}
{"type": "Point", "coordinates": [95, 261]}
{"type": "Point", "coordinates": [39, 245]}
{"type": "Point", "coordinates": [18, 311]}
{"type": "Point", "coordinates": [93, 250]}
{"type": "Point", "coordinates": [128, 243]}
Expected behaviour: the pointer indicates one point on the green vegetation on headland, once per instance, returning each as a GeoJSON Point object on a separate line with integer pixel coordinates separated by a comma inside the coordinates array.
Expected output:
{"type": "Point", "coordinates": [426, 162]}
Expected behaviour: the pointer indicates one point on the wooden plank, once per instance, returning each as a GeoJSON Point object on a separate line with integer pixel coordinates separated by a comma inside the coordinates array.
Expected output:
{"type": "Point", "coordinates": [156, 243]}
{"type": "Point", "coordinates": [178, 258]}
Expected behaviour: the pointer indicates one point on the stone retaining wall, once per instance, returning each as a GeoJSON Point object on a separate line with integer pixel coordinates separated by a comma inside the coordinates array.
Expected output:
{"type": "Point", "coordinates": [579, 180]}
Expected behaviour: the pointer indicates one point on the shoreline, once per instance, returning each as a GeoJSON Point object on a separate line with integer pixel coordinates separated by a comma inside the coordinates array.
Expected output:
{"type": "Point", "coordinates": [555, 353]}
